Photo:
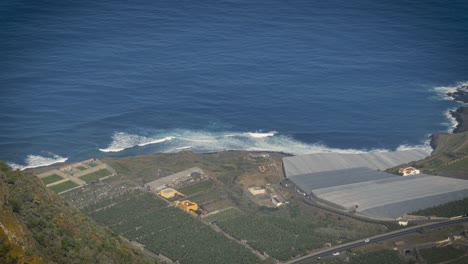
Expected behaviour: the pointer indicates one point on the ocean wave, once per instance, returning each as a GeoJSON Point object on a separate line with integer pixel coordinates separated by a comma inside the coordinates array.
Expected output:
{"type": "Point", "coordinates": [444, 91]}
{"type": "Point", "coordinates": [261, 135]}
{"type": "Point", "coordinates": [35, 161]}
{"type": "Point", "coordinates": [425, 146]}
{"type": "Point", "coordinates": [122, 141]}
{"type": "Point", "coordinates": [204, 141]}
{"type": "Point", "coordinates": [453, 123]}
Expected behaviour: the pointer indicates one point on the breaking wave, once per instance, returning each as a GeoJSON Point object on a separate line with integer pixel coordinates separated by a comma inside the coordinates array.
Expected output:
{"type": "Point", "coordinates": [122, 141]}
{"type": "Point", "coordinates": [34, 161]}
{"type": "Point", "coordinates": [453, 121]}
{"type": "Point", "coordinates": [261, 135]}
{"type": "Point", "coordinates": [443, 91]}
{"type": "Point", "coordinates": [425, 146]}
{"type": "Point", "coordinates": [204, 141]}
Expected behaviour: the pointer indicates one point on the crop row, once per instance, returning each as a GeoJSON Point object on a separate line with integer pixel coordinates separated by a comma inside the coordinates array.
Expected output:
{"type": "Point", "coordinates": [171, 232]}
{"type": "Point", "coordinates": [279, 238]}
{"type": "Point", "coordinates": [224, 215]}
{"type": "Point", "coordinates": [197, 188]}
{"type": "Point", "coordinates": [437, 255]}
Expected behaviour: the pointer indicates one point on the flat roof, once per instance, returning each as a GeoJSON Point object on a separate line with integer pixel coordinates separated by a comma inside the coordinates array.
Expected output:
{"type": "Point", "coordinates": [395, 196]}
{"type": "Point", "coordinates": [162, 182]}
{"type": "Point", "coordinates": [311, 181]}
{"type": "Point", "coordinates": [314, 163]}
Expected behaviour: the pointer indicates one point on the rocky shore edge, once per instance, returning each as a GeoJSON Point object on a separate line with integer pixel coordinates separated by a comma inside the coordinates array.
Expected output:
{"type": "Point", "coordinates": [461, 116]}
{"type": "Point", "coordinates": [460, 93]}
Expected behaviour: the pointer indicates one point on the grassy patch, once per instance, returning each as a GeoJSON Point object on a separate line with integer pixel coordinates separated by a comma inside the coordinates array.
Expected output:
{"type": "Point", "coordinates": [52, 178]}
{"type": "Point", "coordinates": [81, 168]}
{"type": "Point", "coordinates": [92, 164]}
{"type": "Point", "coordinates": [63, 186]}
{"type": "Point", "coordinates": [95, 175]}
{"type": "Point", "coordinates": [204, 197]}
{"type": "Point", "coordinates": [197, 188]}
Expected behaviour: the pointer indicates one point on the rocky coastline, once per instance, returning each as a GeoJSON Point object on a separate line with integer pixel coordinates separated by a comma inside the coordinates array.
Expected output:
{"type": "Point", "coordinates": [461, 116]}
{"type": "Point", "coordinates": [460, 94]}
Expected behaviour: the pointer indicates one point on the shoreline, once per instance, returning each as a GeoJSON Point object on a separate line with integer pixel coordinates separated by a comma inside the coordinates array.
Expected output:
{"type": "Point", "coordinates": [458, 118]}
{"type": "Point", "coordinates": [461, 116]}
{"type": "Point", "coordinates": [459, 93]}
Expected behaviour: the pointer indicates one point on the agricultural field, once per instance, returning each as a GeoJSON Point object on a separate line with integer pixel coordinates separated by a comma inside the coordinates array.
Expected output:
{"type": "Point", "coordinates": [51, 179]}
{"type": "Point", "coordinates": [451, 209]}
{"type": "Point", "coordinates": [443, 254]}
{"type": "Point", "coordinates": [202, 193]}
{"type": "Point", "coordinates": [95, 175]}
{"type": "Point", "coordinates": [63, 186]}
{"type": "Point", "coordinates": [167, 230]}
{"type": "Point", "coordinates": [224, 215]}
{"type": "Point", "coordinates": [461, 260]}
{"type": "Point", "coordinates": [380, 257]}
{"type": "Point", "coordinates": [280, 238]}
{"type": "Point", "coordinates": [197, 188]}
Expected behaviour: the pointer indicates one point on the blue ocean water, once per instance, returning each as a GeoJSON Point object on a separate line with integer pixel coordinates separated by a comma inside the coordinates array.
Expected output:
{"type": "Point", "coordinates": [83, 79]}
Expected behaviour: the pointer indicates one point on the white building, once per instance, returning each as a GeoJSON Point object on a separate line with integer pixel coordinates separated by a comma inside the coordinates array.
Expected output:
{"type": "Point", "coordinates": [409, 171]}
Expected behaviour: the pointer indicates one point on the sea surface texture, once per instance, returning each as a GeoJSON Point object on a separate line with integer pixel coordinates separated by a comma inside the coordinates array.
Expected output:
{"type": "Point", "coordinates": [82, 79]}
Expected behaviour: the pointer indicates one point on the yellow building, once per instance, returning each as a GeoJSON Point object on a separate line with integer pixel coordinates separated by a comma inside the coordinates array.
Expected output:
{"type": "Point", "coordinates": [169, 193]}
{"type": "Point", "coordinates": [188, 206]}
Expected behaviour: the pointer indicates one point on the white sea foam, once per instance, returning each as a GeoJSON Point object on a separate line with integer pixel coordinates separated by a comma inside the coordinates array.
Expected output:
{"type": "Point", "coordinates": [34, 161]}
{"type": "Point", "coordinates": [183, 148]}
{"type": "Point", "coordinates": [425, 146]}
{"type": "Point", "coordinates": [444, 90]}
{"type": "Point", "coordinates": [122, 141]}
{"type": "Point", "coordinates": [203, 141]}
{"type": "Point", "coordinates": [453, 121]}
{"type": "Point", "coordinates": [261, 135]}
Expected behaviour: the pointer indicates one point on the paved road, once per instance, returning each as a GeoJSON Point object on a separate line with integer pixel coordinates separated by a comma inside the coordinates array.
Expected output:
{"type": "Point", "coordinates": [379, 238]}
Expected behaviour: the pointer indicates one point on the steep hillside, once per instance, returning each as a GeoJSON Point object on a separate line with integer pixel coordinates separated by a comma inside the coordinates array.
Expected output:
{"type": "Point", "coordinates": [37, 226]}
{"type": "Point", "coordinates": [450, 143]}
{"type": "Point", "coordinates": [449, 158]}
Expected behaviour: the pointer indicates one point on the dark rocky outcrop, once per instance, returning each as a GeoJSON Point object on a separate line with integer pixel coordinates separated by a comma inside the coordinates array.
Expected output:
{"type": "Point", "coordinates": [461, 115]}
{"type": "Point", "coordinates": [461, 93]}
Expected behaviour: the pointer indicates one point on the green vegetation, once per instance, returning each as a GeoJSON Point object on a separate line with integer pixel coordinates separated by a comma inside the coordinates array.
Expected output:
{"type": "Point", "coordinates": [279, 238]}
{"type": "Point", "coordinates": [146, 219]}
{"type": "Point", "coordinates": [42, 228]}
{"type": "Point", "coordinates": [201, 193]}
{"type": "Point", "coordinates": [63, 186]}
{"type": "Point", "coordinates": [196, 188]}
{"type": "Point", "coordinates": [81, 168]}
{"type": "Point", "coordinates": [52, 178]}
{"type": "Point", "coordinates": [92, 164]}
{"type": "Point", "coordinates": [205, 197]}
{"type": "Point", "coordinates": [461, 260]}
{"type": "Point", "coordinates": [380, 257]}
{"type": "Point", "coordinates": [95, 175]}
{"type": "Point", "coordinates": [450, 209]}
{"type": "Point", "coordinates": [450, 157]}
{"type": "Point", "coordinates": [438, 255]}
{"type": "Point", "coordinates": [224, 215]}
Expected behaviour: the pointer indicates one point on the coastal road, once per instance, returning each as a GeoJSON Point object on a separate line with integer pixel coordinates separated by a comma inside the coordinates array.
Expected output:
{"type": "Point", "coordinates": [378, 238]}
